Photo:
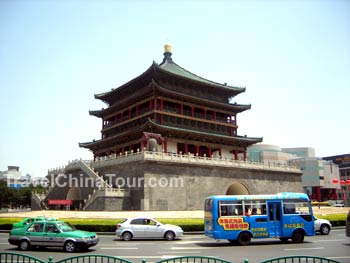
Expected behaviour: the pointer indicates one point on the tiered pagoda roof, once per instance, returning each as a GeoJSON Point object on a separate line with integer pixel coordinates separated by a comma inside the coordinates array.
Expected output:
{"type": "Point", "coordinates": [173, 81]}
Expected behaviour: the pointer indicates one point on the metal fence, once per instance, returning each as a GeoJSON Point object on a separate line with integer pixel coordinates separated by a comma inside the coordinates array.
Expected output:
{"type": "Point", "coordinates": [7, 257]}
{"type": "Point", "coordinates": [94, 259]}
{"type": "Point", "coordinates": [193, 259]}
{"type": "Point", "coordinates": [299, 259]}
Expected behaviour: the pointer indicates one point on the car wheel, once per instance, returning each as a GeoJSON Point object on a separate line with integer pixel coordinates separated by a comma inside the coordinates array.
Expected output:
{"type": "Point", "coordinates": [298, 236]}
{"type": "Point", "coordinates": [244, 239]}
{"type": "Point", "coordinates": [127, 236]}
{"type": "Point", "coordinates": [24, 245]}
{"type": "Point", "coordinates": [69, 246]}
{"type": "Point", "coordinates": [325, 229]}
{"type": "Point", "coordinates": [169, 235]}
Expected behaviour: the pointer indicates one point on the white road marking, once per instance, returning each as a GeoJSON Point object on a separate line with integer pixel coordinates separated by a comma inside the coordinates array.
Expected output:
{"type": "Point", "coordinates": [306, 248]}
{"type": "Point", "coordinates": [125, 248]}
{"type": "Point", "coordinates": [188, 248]}
{"type": "Point", "coordinates": [328, 240]}
{"type": "Point", "coordinates": [189, 242]}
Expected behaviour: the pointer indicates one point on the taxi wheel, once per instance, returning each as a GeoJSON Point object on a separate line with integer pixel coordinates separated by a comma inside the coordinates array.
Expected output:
{"type": "Point", "coordinates": [24, 245]}
{"type": "Point", "coordinates": [69, 246]}
{"type": "Point", "coordinates": [169, 235]}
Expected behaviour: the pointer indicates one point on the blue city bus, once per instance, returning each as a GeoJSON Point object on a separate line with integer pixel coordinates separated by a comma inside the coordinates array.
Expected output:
{"type": "Point", "coordinates": [239, 218]}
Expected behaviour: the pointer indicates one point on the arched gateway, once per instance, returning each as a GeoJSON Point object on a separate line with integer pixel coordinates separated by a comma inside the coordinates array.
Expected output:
{"type": "Point", "coordinates": [237, 188]}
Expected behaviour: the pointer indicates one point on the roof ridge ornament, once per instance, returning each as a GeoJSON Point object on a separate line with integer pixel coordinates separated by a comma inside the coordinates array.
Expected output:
{"type": "Point", "coordinates": [167, 54]}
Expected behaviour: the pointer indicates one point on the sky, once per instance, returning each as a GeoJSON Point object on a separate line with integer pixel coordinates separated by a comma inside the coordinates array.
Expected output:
{"type": "Point", "coordinates": [293, 57]}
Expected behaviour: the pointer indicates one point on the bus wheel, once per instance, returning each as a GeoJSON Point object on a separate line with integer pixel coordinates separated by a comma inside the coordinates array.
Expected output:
{"type": "Point", "coordinates": [244, 239]}
{"type": "Point", "coordinates": [298, 236]}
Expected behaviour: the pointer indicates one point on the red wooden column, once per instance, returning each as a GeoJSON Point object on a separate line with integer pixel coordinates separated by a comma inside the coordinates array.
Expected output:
{"type": "Point", "coordinates": [155, 108]}
{"type": "Point", "coordinates": [236, 155]}
{"type": "Point", "coordinates": [209, 152]}
{"type": "Point", "coordinates": [245, 155]}
{"type": "Point", "coordinates": [161, 109]}
{"type": "Point", "coordinates": [144, 145]}
{"type": "Point", "coordinates": [197, 150]}
{"type": "Point", "coordinates": [165, 146]}
{"type": "Point", "coordinates": [186, 148]}
{"type": "Point", "coordinates": [182, 109]}
{"type": "Point", "coordinates": [214, 115]}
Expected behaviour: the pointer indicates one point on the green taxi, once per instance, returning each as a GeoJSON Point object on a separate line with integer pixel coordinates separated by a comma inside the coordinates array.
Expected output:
{"type": "Point", "coordinates": [27, 221]}
{"type": "Point", "coordinates": [52, 233]}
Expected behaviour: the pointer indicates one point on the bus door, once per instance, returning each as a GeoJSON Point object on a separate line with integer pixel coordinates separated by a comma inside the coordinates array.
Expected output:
{"type": "Point", "coordinates": [274, 215]}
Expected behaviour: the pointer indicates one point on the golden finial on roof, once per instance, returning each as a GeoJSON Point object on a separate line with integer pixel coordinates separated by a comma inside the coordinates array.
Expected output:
{"type": "Point", "coordinates": [167, 48]}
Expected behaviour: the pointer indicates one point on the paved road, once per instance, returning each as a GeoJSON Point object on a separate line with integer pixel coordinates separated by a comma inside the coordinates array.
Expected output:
{"type": "Point", "coordinates": [334, 246]}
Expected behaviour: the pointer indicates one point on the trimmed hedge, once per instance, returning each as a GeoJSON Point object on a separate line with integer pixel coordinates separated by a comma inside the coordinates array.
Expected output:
{"type": "Point", "coordinates": [188, 225]}
{"type": "Point", "coordinates": [335, 219]}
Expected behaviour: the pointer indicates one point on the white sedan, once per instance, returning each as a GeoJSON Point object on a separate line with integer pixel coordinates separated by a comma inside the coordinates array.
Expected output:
{"type": "Point", "coordinates": [145, 228]}
{"type": "Point", "coordinates": [322, 226]}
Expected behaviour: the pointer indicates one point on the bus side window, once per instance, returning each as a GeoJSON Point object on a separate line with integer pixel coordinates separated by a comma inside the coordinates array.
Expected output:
{"type": "Point", "coordinates": [223, 211]}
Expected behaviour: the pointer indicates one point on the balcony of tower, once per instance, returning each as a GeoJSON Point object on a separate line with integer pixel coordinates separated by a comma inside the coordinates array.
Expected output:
{"type": "Point", "coordinates": [197, 124]}
{"type": "Point", "coordinates": [171, 108]}
{"type": "Point", "coordinates": [188, 159]}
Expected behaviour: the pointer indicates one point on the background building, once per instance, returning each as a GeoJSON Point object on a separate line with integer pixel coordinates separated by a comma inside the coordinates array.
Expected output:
{"type": "Point", "coordinates": [343, 162]}
{"type": "Point", "coordinates": [13, 177]}
{"type": "Point", "coordinates": [318, 174]}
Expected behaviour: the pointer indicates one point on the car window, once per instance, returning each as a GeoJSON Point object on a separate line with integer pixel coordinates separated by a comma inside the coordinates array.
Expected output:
{"type": "Point", "coordinates": [150, 222]}
{"type": "Point", "coordinates": [36, 227]}
{"type": "Point", "coordinates": [138, 221]}
{"type": "Point", "coordinates": [51, 228]}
